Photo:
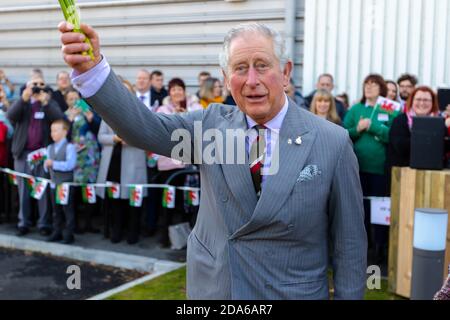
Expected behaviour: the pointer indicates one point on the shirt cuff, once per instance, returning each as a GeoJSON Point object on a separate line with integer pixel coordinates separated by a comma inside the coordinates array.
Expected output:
{"type": "Point", "coordinates": [90, 82]}
{"type": "Point", "coordinates": [62, 166]}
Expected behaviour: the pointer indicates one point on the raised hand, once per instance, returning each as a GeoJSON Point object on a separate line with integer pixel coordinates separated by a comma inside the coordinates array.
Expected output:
{"type": "Point", "coordinates": [28, 92]}
{"type": "Point", "coordinates": [73, 45]}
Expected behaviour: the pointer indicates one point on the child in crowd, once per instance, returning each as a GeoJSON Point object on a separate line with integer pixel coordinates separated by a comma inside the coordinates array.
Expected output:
{"type": "Point", "coordinates": [61, 161]}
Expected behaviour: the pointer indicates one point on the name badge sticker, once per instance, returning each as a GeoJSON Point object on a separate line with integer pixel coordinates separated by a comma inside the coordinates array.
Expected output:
{"type": "Point", "coordinates": [39, 115]}
{"type": "Point", "coordinates": [383, 117]}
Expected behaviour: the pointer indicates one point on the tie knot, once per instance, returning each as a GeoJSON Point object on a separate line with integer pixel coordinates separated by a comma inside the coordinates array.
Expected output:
{"type": "Point", "coordinates": [260, 129]}
{"type": "Point", "coordinates": [142, 98]}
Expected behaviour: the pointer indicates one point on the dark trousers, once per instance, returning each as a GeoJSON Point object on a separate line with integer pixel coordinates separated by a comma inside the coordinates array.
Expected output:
{"type": "Point", "coordinates": [63, 213]}
{"type": "Point", "coordinates": [179, 196]}
{"type": "Point", "coordinates": [374, 185]}
{"type": "Point", "coordinates": [176, 215]}
{"type": "Point", "coordinates": [21, 165]}
{"type": "Point", "coordinates": [124, 217]}
{"type": "Point", "coordinates": [83, 210]}
{"type": "Point", "coordinates": [9, 200]}
{"type": "Point", "coordinates": [151, 202]}
{"type": "Point", "coordinates": [4, 193]}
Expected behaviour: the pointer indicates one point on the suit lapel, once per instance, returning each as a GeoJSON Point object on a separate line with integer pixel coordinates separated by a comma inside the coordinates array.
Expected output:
{"type": "Point", "coordinates": [238, 176]}
{"type": "Point", "coordinates": [292, 159]}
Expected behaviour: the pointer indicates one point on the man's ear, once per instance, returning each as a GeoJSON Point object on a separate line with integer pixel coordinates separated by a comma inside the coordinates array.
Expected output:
{"type": "Point", "coordinates": [226, 80]}
{"type": "Point", "coordinates": [287, 71]}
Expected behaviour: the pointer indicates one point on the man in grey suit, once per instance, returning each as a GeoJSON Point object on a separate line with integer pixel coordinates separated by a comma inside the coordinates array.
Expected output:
{"type": "Point", "coordinates": [257, 236]}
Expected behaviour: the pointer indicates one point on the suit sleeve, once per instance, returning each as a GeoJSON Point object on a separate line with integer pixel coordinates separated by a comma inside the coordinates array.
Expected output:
{"type": "Point", "coordinates": [347, 230]}
{"type": "Point", "coordinates": [16, 111]}
{"type": "Point", "coordinates": [137, 125]}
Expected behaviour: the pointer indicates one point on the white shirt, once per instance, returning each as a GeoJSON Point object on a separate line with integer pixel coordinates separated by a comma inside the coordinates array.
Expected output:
{"type": "Point", "coordinates": [147, 99]}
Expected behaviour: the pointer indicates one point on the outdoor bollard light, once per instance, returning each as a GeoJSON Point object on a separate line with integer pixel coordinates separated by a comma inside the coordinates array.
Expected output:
{"type": "Point", "coordinates": [430, 237]}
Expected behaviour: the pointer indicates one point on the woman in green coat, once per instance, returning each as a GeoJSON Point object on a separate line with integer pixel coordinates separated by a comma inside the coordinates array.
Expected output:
{"type": "Point", "coordinates": [368, 125]}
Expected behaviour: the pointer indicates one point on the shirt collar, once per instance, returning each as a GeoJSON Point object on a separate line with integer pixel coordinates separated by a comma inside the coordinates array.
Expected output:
{"type": "Point", "coordinates": [60, 143]}
{"type": "Point", "coordinates": [275, 123]}
{"type": "Point", "coordinates": [147, 94]}
{"type": "Point", "coordinates": [369, 106]}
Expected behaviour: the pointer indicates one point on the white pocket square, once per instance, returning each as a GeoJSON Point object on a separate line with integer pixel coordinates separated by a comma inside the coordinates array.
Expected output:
{"type": "Point", "coordinates": [309, 173]}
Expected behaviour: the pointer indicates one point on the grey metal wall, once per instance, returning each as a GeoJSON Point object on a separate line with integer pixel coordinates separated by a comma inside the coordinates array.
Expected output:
{"type": "Point", "coordinates": [178, 37]}
{"type": "Point", "coordinates": [352, 38]}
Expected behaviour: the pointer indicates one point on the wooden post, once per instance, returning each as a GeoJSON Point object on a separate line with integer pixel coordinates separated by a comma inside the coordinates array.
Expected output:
{"type": "Point", "coordinates": [413, 189]}
{"type": "Point", "coordinates": [394, 228]}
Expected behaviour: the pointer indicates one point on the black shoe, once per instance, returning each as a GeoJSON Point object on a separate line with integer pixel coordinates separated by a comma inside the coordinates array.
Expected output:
{"type": "Point", "coordinates": [45, 232]}
{"type": "Point", "coordinates": [78, 230]}
{"type": "Point", "coordinates": [132, 239]}
{"type": "Point", "coordinates": [116, 239]}
{"type": "Point", "coordinates": [68, 239]}
{"type": "Point", "coordinates": [55, 237]}
{"type": "Point", "coordinates": [91, 230]}
{"type": "Point", "coordinates": [22, 231]}
{"type": "Point", "coordinates": [164, 240]}
{"type": "Point", "coordinates": [149, 232]}
{"type": "Point", "coordinates": [116, 235]}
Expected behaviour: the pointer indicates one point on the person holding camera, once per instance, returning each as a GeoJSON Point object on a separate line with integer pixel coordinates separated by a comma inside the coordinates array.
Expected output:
{"type": "Point", "coordinates": [31, 116]}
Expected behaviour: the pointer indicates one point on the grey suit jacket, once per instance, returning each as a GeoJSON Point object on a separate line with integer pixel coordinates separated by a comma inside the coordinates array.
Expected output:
{"type": "Point", "coordinates": [133, 163]}
{"type": "Point", "coordinates": [280, 246]}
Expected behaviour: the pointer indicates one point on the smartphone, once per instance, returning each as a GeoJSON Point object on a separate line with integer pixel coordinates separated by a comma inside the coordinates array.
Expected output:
{"type": "Point", "coordinates": [82, 105]}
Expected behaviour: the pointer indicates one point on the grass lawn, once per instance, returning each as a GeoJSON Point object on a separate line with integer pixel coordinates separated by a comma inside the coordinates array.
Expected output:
{"type": "Point", "coordinates": [172, 286]}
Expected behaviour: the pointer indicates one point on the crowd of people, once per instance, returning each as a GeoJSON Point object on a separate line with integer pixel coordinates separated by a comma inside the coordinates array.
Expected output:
{"type": "Point", "coordinates": [381, 137]}
{"type": "Point", "coordinates": [82, 148]}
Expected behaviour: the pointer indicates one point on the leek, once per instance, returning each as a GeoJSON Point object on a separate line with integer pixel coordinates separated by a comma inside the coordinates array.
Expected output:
{"type": "Point", "coordinates": [72, 16]}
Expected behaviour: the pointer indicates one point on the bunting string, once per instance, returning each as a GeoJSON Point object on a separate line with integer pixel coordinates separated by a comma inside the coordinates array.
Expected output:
{"type": "Point", "coordinates": [98, 185]}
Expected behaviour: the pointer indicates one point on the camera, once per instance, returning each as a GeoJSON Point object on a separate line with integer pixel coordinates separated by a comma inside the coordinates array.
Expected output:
{"type": "Point", "coordinates": [37, 89]}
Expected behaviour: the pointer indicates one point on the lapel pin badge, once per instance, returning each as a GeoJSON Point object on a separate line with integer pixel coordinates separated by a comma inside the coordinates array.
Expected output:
{"type": "Point", "coordinates": [289, 141]}
{"type": "Point", "coordinates": [298, 141]}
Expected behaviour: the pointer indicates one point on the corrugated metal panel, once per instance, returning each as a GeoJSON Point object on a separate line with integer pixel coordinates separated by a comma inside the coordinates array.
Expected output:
{"type": "Point", "coordinates": [179, 37]}
{"type": "Point", "coordinates": [352, 38]}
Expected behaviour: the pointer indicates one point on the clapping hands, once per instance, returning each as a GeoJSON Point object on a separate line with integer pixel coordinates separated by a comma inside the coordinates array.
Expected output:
{"type": "Point", "coordinates": [363, 124]}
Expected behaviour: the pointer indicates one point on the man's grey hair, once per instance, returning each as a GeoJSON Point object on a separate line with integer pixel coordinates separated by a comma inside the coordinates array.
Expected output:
{"type": "Point", "coordinates": [279, 44]}
{"type": "Point", "coordinates": [326, 75]}
{"type": "Point", "coordinates": [60, 73]}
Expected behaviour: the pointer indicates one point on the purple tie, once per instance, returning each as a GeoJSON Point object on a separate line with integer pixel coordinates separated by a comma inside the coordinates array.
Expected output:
{"type": "Point", "coordinates": [142, 98]}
